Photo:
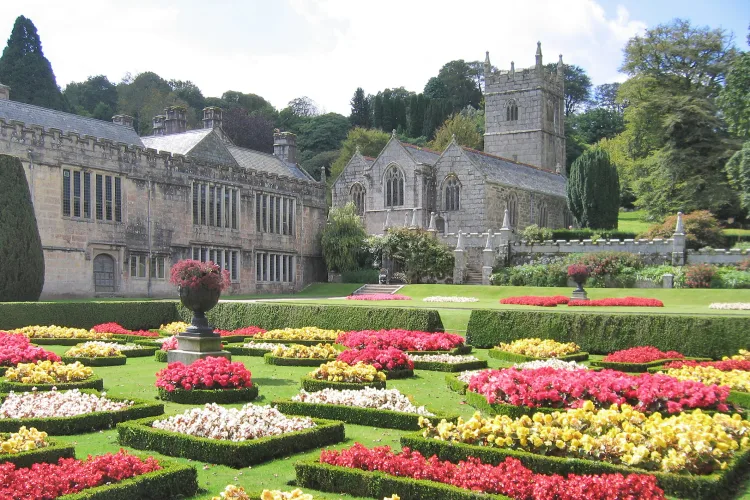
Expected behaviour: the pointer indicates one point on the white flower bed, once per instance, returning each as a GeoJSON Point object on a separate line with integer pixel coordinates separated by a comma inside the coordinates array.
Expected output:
{"type": "Point", "coordinates": [161, 340]}
{"type": "Point", "coordinates": [233, 424]}
{"type": "Point", "coordinates": [263, 345]}
{"type": "Point", "coordinates": [466, 376]}
{"type": "Point", "coordinates": [452, 359]}
{"type": "Point", "coordinates": [438, 298]}
{"type": "Point", "coordinates": [112, 345]}
{"type": "Point", "coordinates": [45, 404]}
{"type": "Point", "coordinates": [378, 399]}
{"type": "Point", "coordinates": [551, 363]}
{"type": "Point", "coordinates": [741, 306]}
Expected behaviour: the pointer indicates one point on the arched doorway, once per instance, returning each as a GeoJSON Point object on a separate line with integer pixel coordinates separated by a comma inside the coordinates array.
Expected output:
{"type": "Point", "coordinates": [104, 274]}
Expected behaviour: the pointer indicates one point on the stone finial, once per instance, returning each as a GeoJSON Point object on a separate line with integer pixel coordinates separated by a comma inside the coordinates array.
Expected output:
{"type": "Point", "coordinates": [487, 65]}
{"type": "Point", "coordinates": [460, 241]}
{"type": "Point", "coordinates": [393, 133]}
{"type": "Point", "coordinates": [357, 151]}
{"type": "Point", "coordinates": [488, 245]}
{"type": "Point", "coordinates": [323, 175]}
{"type": "Point", "coordinates": [487, 58]}
{"type": "Point", "coordinates": [406, 219]}
{"type": "Point", "coordinates": [433, 222]}
{"type": "Point", "coordinates": [387, 216]}
{"type": "Point", "coordinates": [512, 68]}
{"type": "Point", "coordinates": [538, 54]}
{"type": "Point", "coordinates": [453, 138]}
{"type": "Point", "coordinates": [414, 217]}
{"type": "Point", "coordinates": [506, 221]}
{"type": "Point", "coordinates": [560, 62]}
{"type": "Point", "coordinates": [680, 228]}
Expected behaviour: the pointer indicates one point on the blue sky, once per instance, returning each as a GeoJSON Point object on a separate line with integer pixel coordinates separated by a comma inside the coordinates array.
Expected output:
{"type": "Point", "coordinates": [325, 49]}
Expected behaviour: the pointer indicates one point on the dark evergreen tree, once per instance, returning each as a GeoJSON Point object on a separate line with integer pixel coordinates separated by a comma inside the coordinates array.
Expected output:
{"type": "Point", "coordinates": [377, 112]}
{"type": "Point", "coordinates": [594, 190]}
{"type": "Point", "coordinates": [415, 118]}
{"type": "Point", "coordinates": [21, 256]}
{"type": "Point", "coordinates": [96, 92]}
{"type": "Point", "coordinates": [399, 112]}
{"type": "Point", "coordinates": [388, 115]}
{"type": "Point", "coordinates": [25, 69]}
{"type": "Point", "coordinates": [360, 116]}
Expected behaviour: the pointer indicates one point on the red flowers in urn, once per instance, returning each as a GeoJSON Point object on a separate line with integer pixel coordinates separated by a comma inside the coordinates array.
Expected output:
{"type": "Point", "coordinates": [200, 285]}
{"type": "Point", "coordinates": [578, 273]}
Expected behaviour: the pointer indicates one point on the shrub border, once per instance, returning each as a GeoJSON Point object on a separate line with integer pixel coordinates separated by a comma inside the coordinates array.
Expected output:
{"type": "Point", "coordinates": [202, 396]}
{"type": "Point", "coordinates": [522, 358]}
{"type": "Point", "coordinates": [51, 453]}
{"type": "Point", "coordinates": [93, 382]}
{"type": "Point", "coordinates": [118, 360]}
{"type": "Point", "coordinates": [141, 352]}
{"type": "Point", "coordinates": [462, 349]}
{"type": "Point", "coordinates": [398, 374]}
{"type": "Point", "coordinates": [295, 341]}
{"type": "Point", "coordinates": [270, 359]}
{"type": "Point", "coordinates": [160, 356]}
{"type": "Point", "coordinates": [236, 454]}
{"type": "Point", "coordinates": [449, 367]}
{"type": "Point", "coordinates": [456, 385]}
{"type": "Point", "coordinates": [238, 350]}
{"type": "Point", "coordinates": [639, 367]}
{"type": "Point", "coordinates": [312, 385]}
{"type": "Point", "coordinates": [69, 341]}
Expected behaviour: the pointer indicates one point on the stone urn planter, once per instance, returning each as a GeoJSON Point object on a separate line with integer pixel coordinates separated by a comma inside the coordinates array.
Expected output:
{"type": "Point", "coordinates": [200, 301]}
{"type": "Point", "coordinates": [579, 274]}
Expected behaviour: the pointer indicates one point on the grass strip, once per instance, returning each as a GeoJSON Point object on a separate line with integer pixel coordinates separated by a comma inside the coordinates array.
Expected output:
{"type": "Point", "coordinates": [51, 453]}
{"type": "Point", "coordinates": [522, 358]}
{"type": "Point", "coordinates": [93, 382]}
{"type": "Point", "coordinates": [202, 396]}
{"type": "Point", "coordinates": [311, 385]}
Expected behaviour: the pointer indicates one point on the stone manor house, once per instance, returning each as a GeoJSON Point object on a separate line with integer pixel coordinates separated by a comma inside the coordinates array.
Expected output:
{"type": "Point", "coordinates": [116, 210]}
{"type": "Point", "coordinates": [521, 168]}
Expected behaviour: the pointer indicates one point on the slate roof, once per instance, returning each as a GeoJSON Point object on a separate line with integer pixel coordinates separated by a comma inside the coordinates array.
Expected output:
{"type": "Point", "coordinates": [67, 122]}
{"type": "Point", "coordinates": [255, 160]}
{"type": "Point", "coordinates": [510, 173]}
{"type": "Point", "coordinates": [422, 155]}
{"type": "Point", "coordinates": [176, 143]}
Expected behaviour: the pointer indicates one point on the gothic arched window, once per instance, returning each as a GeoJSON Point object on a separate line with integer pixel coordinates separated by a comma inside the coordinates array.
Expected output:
{"type": "Point", "coordinates": [512, 206]}
{"type": "Point", "coordinates": [357, 195]}
{"type": "Point", "coordinates": [452, 193]}
{"type": "Point", "coordinates": [511, 111]}
{"type": "Point", "coordinates": [543, 215]}
{"type": "Point", "coordinates": [394, 187]}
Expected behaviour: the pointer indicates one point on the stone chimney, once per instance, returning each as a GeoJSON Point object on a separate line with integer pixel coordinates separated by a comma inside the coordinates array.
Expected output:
{"type": "Point", "coordinates": [285, 146]}
{"type": "Point", "coordinates": [175, 122]}
{"type": "Point", "coordinates": [212, 117]}
{"type": "Point", "coordinates": [4, 92]}
{"type": "Point", "coordinates": [123, 120]}
{"type": "Point", "coordinates": [158, 124]}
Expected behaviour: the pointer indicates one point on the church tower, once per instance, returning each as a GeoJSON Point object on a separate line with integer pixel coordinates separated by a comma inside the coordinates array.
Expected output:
{"type": "Point", "coordinates": [525, 114]}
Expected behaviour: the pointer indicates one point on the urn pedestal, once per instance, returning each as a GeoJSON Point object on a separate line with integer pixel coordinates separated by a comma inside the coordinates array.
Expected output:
{"type": "Point", "coordinates": [579, 293]}
{"type": "Point", "coordinates": [199, 340]}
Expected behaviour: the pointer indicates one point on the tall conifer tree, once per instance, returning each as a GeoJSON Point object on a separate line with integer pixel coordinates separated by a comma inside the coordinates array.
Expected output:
{"type": "Point", "coordinates": [360, 116]}
{"type": "Point", "coordinates": [594, 190]}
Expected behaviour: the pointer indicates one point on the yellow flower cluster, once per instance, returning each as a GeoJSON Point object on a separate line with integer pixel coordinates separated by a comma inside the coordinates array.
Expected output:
{"type": "Point", "coordinates": [743, 355]}
{"type": "Point", "coordinates": [174, 328]}
{"type": "Point", "coordinates": [232, 492]}
{"type": "Point", "coordinates": [24, 440]}
{"type": "Point", "coordinates": [338, 371]}
{"type": "Point", "coordinates": [47, 372]}
{"type": "Point", "coordinates": [60, 332]}
{"type": "Point", "coordinates": [320, 351]}
{"type": "Point", "coordinates": [539, 348]}
{"type": "Point", "coordinates": [306, 333]}
{"type": "Point", "coordinates": [687, 442]}
{"type": "Point", "coordinates": [93, 350]}
{"type": "Point", "coordinates": [738, 380]}
{"type": "Point", "coordinates": [392, 497]}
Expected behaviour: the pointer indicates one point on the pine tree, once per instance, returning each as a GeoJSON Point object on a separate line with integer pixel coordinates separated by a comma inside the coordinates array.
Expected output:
{"type": "Point", "coordinates": [594, 190]}
{"type": "Point", "coordinates": [25, 69]}
{"type": "Point", "coordinates": [21, 256]}
{"type": "Point", "coordinates": [377, 112]}
{"type": "Point", "coordinates": [360, 116]}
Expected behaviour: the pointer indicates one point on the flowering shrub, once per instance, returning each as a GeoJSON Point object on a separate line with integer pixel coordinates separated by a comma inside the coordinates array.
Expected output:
{"type": "Point", "coordinates": [619, 301]}
{"type": "Point", "coordinates": [737, 380]}
{"type": "Point", "coordinates": [46, 404]}
{"type": "Point", "coordinates": [557, 364]}
{"type": "Point", "coordinates": [451, 359]}
{"type": "Point", "coordinates": [699, 275]}
{"type": "Point", "coordinates": [16, 348]}
{"type": "Point", "coordinates": [48, 372]}
{"type": "Point", "coordinates": [379, 399]}
{"type": "Point", "coordinates": [553, 388]}
{"type": "Point", "coordinates": [194, 274]}
{"type": "Point", "coordinates": [207, 373]}
{"type": "Point", "coordinates": [338, 371]}
{"type": "Point", "coordinates": [116, 329]}
{"type": "Point", "coordinates": [233, 424]}
{"type": "Point", "coordinates": [438, 298]}
{"type": "Point", "coordinates": [169, 344]}
{"type": "Point", "coordinates": [306, 333]}
{"type": "Point", "coordinates": [23, 440]}
{"type": "Point", "coordinates": [406, 340]}
{"type": "Point", "coordinates": [645, 354]}
{"type": "Point", "coordinates": [726, 365]}
{"type": "Point", "coordinates": [60, 332]}
{"type": "Point", "coordinates": [174, 328]}
{"type": "Point", "coordinates": [378, 296]}
{"type": "Point", "coordinates": [737, 306]}
{"type": "Point", "coordinates": [247, 331]}
{"type": "Point", "coordinates": [320, 351]}
{"type": "Point", "coordinates": [539, 348]}
{"type": "Point", "coordinates": [534, 300]}
{"type": "Point", "coordinates": [44, 481]}
{"type": "Point", "coordinates": [382, 359]}
{"type": "Point", "coordinates": [263, 345]}
{"type": "Point", "coordinates": [509, 478]}
{"type": "Point", "coordinates": [94, 350]}
{"type": "Point", "coordinates": [694, 443]}
{"type": "Point", "coordinates": [232, 492]}
{"type": "Point", "coordinates": [578, 273]}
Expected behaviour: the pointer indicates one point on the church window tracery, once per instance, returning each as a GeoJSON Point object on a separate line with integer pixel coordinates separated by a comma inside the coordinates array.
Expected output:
{"type": "Point", "coordinates": [452, 194]}
{"type": "Point", "coordinates": [511, 111]}
{"type": "Point", "coordinates": [394, 187]}
{"type": "Point", "coordinates": [543, 215]}
{"type": "Point", "coordinates": [357, 195]}
{"type": "Point", "coordinates": [512, 205]}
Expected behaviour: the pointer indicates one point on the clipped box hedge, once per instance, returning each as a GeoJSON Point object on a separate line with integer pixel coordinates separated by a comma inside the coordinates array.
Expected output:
{"type": "Point", "coordinates": [234, 315]}
{"type": "Point", "coordinates": [93, 382]}
{"type": "Point", "coordinates": [384, 419]}
{"type": "Point", "coordinates": [238, 350]}
{"type": "Point", "coordinates": [710, 487]}
{"type": "Point", "coordinates": [434, 366]}
{"type": "Point", "coordinates": [602, 333]}
{"type": "Point", "coordinates": [173, 480]}
{"type": "Point", "coordinates": [69, 341]}
{"type": "Point", "coordinates": [639, 367]}
{"type": "Point", "coordinates": [398, 374]}
{"type": "Point", "coordinates": [522, 358]}
{"type": "Point", "coordinates": [270, 359]}
{"type": "Point", "coordinates": [456, 385]}
{"type": "Point", "coordinates": [160, 356]}
{"type": "Point", "coordinates": [462, 349]}
{"type": "Point", "coordinates": [51, 453]}
{"type": "Point", "coordinates": [87, 422]}
{"type": "Point", "coordinates": [203, 396]}
{"type": "Point", "coordinates": [141, 435]}
{"type": "Point", "coordinates": [141, 352]}
{"type": "Point", "coordinates": [96, 361]}
{"type": "Point", "coordinates": [312, 385]}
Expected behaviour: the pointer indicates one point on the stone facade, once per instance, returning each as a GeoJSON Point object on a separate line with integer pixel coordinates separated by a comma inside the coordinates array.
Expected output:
{"type": "Point", "coordinates": [115, 211]}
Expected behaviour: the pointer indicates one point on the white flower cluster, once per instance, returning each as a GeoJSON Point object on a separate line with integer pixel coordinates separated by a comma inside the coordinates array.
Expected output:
{"type": "Point", "coordinates": [379, 399]}
{"type": "Point", "coordinates": [45, 404]}
{"type": "Point", "coordinates": [466, 376]}
{"type": "Point", "coordinates": [438, 298]}
{"type": "Point", "coordinates": [452, 359]}
{"type": "Point", "coordinates": [263, 345]}
{"type": "Point", "coordinates": [111, 345]}
{"type": "Point", "coordinates": [233, 424]}
{"type": "Point", "coordinates": [161, 340]}
{"type": "Point", "coordinates": [551, 363]}
{"type": "Point", "coordinates": [730, 305]}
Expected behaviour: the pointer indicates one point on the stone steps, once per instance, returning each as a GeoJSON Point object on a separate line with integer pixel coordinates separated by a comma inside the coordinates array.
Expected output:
{"type": "Point", "coordinates": [389, 289]}
{"type": "Point", "coordinates": [473, 277]}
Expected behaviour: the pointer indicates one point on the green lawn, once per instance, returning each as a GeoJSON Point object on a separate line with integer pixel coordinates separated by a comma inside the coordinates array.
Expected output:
{"type": "Point", "coordinates": [633, 221]}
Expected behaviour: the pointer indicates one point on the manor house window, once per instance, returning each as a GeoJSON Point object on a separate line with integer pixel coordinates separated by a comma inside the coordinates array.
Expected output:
{"type": "Point", "coordinates": [226, 258]}
{"type": "Point", "coordinates": [155, 268]}
{"type": "Point", "coordinates": [357, 194]}
{"type": "Point", "coordinates": [77, 196]}
{"type": "Point", "coordinates": [394, 187]}
{"type": "Point", "coordinates": [274, 267]}
{"type": "Point", "coordinates": [215, 205]}
{"type": "Point", "coordinates": [274, 214]}
{"type": "Point", "coordinates": [452, 194]}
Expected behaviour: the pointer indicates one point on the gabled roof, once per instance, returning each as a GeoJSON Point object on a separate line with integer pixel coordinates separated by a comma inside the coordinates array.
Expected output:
{"type": "Point", "coordinates": [67, 122]}
{"type": "Point", "coordinates": [264, 162]}
{"type": "Point", "coordinates": [180, 144]}
{"type": "Point", "coordinates": [420, 154]}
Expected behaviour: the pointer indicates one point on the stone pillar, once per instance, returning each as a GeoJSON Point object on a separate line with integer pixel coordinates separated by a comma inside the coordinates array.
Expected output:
{"type": "Point", "coordinates": [406, 219]}
{"type": "Point", "coordinates": [667, 280]}
{"type": "Point", "coordinates": [414, 218]}
{"type": "Point", "coordinates": [504, 240]}
{"type": "Point", "coordinates": [488, 258]}
{"type": "Point", "coordinates": [679, 242]}
{"type": "Point", "coordinates": [432, 228]}
{"type": "Point", "coordinates": [459, 267]}
{"type": "Point", "coordinates": [385, 222]}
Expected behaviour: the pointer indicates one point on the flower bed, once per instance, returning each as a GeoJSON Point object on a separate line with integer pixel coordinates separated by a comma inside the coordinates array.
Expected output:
{"type": "Point", "coordinates": [240, 334]}
{"type": "Point", "coordinates": [118, 331]}
{"type": "Point", "coordinates": [301, 355]}
{"type": "Point", "coordinates": [133, 350]}
{"type": "Point", "coordinates": [379, 472]}
{"type": "Point", "coordinates": [173, 328]}
{"type": "Point", "coordinates": [536, 300]}
{"type": "Point", "coordinates": [233, 437]}
{"type": "Point", "coordinates": [15, 348]}
{"type": "Point", "coordinates": [737, 306]}
{"type": "Point", "coordinates": [52, 334]}
{"type": "Point", "coordinates": [252, 348]}
{"type": "Point", "coordinates": [206, 380]}
{"type": "Point", "coordinates": [44, 375]}
{"type": "Point", "coordinates": [70, 412]}
{"type": "Point", "coordinates": [557, 364]}
{"type": "Point", "coordinates": [725, 365]}
{"type": "Point", "coordinates": [393, 361]}
{"type": "Point", "coordinates": [113, 476]}
{"type": "Point", "coordinates": [378, 296]}
{"type": "Point", "coordinates": [50, 452]}
{"type": "Point", "coordinates": [405, 340]}
{"type": "Point", "coordinates": [446, 362]}
{"type": "Point", "coordinates": [737, 380]}
{"type": "Point", "coordinates": [95, 354]}
{"type": "Point", "coordinates": [537, 349]}
{"type": "Point", "coordinates": [619, 302]}
{"type": "Point", "coordinates": [460, 300]}
{"type": "Point", "coordinates": [309, 335]}
{"type": "Point", "coordinates": [638, 359]}
{"type": "Point", "coordinates": [232, 492]}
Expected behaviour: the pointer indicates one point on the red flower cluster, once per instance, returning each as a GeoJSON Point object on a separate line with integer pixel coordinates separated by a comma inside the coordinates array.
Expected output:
{"type": "Point", "coordinates": [726, 365]}
{"type": "Point", "coordinates": [619, 301]}
{"type": "Point", "coordinates": [208, 373]}
{"type": "Point", "coordinates": [536, 300]}
{"type": "Point", "coordinates": [378, 296]}
{"type": "Point", "coordinates": [195, 274]}
{"type": "Point", "coordinates": [406, 340]}
{"type": "Point", "coordinates": [645, 354]}
{"type": "Point", "coordinates": [509, 478]}
{"type": "Point", "coordinates": [247, 331]}
{"type": "Point", "coordinates": [15, 348]}
{"type": "Point", "coordinates": [382, 359]}
{"type": "Point", "coordinates": [44, 481]}
{"type": "Point", "coordinates": [578, 273]}
{"type": "Point", "coordinates": [553, 388]}
{"type": "Point", "coordinates": [117, 329]}
{"type": "Point", "coordinates": [169, 344]}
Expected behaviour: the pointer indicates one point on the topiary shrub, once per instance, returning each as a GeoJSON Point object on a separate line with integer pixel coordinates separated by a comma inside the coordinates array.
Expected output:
{"type": "Point", "coordinates": [21, 255]}
{"type": "Point", "coordinates": [702, 229]}
{"type": "Point", "coordinates": [593, 190]}
{"type": "Point", "coordinates": [534, 233]}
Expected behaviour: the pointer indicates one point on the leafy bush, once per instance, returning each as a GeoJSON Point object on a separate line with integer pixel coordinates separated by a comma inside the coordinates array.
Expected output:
{"type": "Point", "coordinates": [726, 277]}
{"type": "Point", "coordinates": [654, 274]}
{"type": "Point", "coordinates": [366, 276]}
{"type": "Point", "coordinates": [701, 227]}
{"type": "Point", "coordinates": [699, 275]}
{"type": "Point", "coordinates": [534, 233]}
{"type": "Point", "coordinates": [619, 266]}
{"type": "Point", "coordinates": [589, 234]}
{"type": "Point", "coordinates": [554, 274]}
{"type": "Point", "coordinates": [343, 238]}
{"type": "Point", "coordinates": [420, 254]}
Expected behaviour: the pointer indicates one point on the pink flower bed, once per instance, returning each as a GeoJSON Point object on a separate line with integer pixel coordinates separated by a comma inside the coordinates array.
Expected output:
{"type": "Point", "coordinates": [535, 300]}
{"type": "Point", "coordinates": [208, 373]}
{"type": "Point", "coordinates": [509, 478]}
{"type": "Point", "coordinates": [382, 359]}
{"type": "Point", "coordinates": [169, 344]}
{"type": "Point", "coordinates": [553, 388]}
{"type": "Point", "coordinates": [645, 354]}
{"type": "Point", "coordinates": [621, 301]}
{"type": "Point", "coordinates": [247, 331]}
{"type": "Point", "coordinates": [117, 329]}
{"type": "Point", "coordinates": [726, 365]}
{"type": "Point", "coordinates": [406, 340]}
{"type": "Point", "coordinates": [15, 348]}
{"type": "Point", "coordinates": [378, 296]}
